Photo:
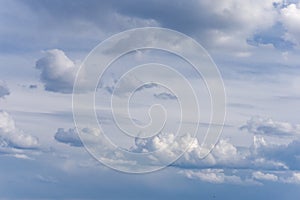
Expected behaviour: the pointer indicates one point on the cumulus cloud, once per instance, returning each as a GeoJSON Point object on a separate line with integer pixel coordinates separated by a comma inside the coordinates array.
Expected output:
{"type": "Point", "coordinates": [261, 157]}
{"type": "Point", "coordinates": [12, 137]}
{"type": "Point", "coordinates": [68, 137]}
{"type": "Point", "coordinates": [57, 71]}
{"type": "Point", "coordinates": [221, 164]}
{"type": "Point", "coordinates": [4, 91]}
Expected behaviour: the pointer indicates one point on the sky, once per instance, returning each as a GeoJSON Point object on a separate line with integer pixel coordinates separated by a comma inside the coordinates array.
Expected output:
{"type": "Point", "coordinates": [167, 131]}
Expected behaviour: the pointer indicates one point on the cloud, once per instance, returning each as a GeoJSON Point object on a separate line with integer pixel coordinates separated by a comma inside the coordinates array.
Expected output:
{"type": "Point", "coordinates": [224, 25]}
{"type": "Point", "coordinates": [72, 138]}
{"type": "Point", "coordinates": [127, 85]}
{"type": "Point", "coordinates": [57, 71]}
{"type": "Point", "coordinates": [46, 179]}
{"type": "Point", "coordinates": [261, 157]}
{"type": "Point", "coordinates": [12, 137]}
{"type": "Point", "coordinates": [33, 86]}
{"type": "Point", "coordinates": [286, 155]}
{"type": "Point", "coordinates": [294, 178]}
{"type": "Point", "coordinates": [165, 96]}
{"type": "Point", "coordinates": [68, 137]}
{"type": "Point", "coordinates": [264, 176]}
{"type": "Point", "coordinates": [217, 176]}
{"type": "Point", "coordinates": [131, 84]}
{"type": "Point", "coordinates": [290, 17]}
{"type": "Point", "coordinates": [4, 91]}
{"type": "Point", "coordinates": [226, 163]}
{"type": "Point", "coordinates": [225, 22]}
{"type": "Point", "coordinates": [269, 127]}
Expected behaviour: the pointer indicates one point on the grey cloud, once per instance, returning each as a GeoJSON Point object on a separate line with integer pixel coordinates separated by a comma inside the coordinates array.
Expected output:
{"type": "Point", "coordinates": [212, 22]}
{"type": "Point", "coordinates": [269, 127]}
{"type": "Point", "coordinates": [281, 153]}
{"type": "Point", "coordinates": [147, 86]}
{"type": "Point", "coordinates": [4, 91]}
{"type": "Point", "coordinates": [57, 71]}
{"type": "Point", "coordinates": [165, 96]}
{"type": "Point", "coordinates": [68, 137]}
{"type": "Point", "coordinates": [33, 86]}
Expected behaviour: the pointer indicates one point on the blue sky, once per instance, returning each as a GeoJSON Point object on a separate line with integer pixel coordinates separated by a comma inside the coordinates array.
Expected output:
{"type": "Point", "coordinates": [255, 45]}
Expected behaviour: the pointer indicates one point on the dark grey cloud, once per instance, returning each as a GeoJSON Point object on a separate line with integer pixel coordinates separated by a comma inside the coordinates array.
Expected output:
{"type": "Point", "coordinates": [33, 86]}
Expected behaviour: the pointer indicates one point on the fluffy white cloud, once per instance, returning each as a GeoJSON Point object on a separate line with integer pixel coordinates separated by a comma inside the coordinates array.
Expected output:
{"type": "Point", "coordinates": [241, 17]}
{"type": "Point", "coordinates": [261, 157]}
{"type": "Point", "coordinates": [4, 91]}
{"type": "Point", "coordinates": [57, 71]}
{"type": "Point", "coordinates": [290, 17]}
{"type": "Point", "coordinates": [221, 163]}
{"type": "Point", "coordinates": [12, 137]}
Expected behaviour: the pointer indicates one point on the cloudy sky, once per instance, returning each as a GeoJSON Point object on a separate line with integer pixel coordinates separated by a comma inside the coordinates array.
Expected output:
{"type": "Point", "coordinates": [255, 45]}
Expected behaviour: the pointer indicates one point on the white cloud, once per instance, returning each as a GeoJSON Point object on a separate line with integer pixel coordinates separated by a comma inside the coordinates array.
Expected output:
{"type": "Point", "coordinates": [220, 165]}
{"type": "Point", "coordinates": [4, 91]}
{"type": "Point", "coordinates": [294, 178]}
{"type": "Point", "coordinates": [290, 17]}
{"type": "Point", "coordinates": [261, 155]}
{"type": "Point", "coordinates": [57, 71]}
{"type": "Point", "coordinates": [208, 175]}
{"type": "Point", "coordinates": [12, 137]}
{"type": "Point", "coordinates": [217, 176]}
{"type": "Point", "coordinates": [269, 127]}
{"type": "Point", "coordinates": [264, 176]}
